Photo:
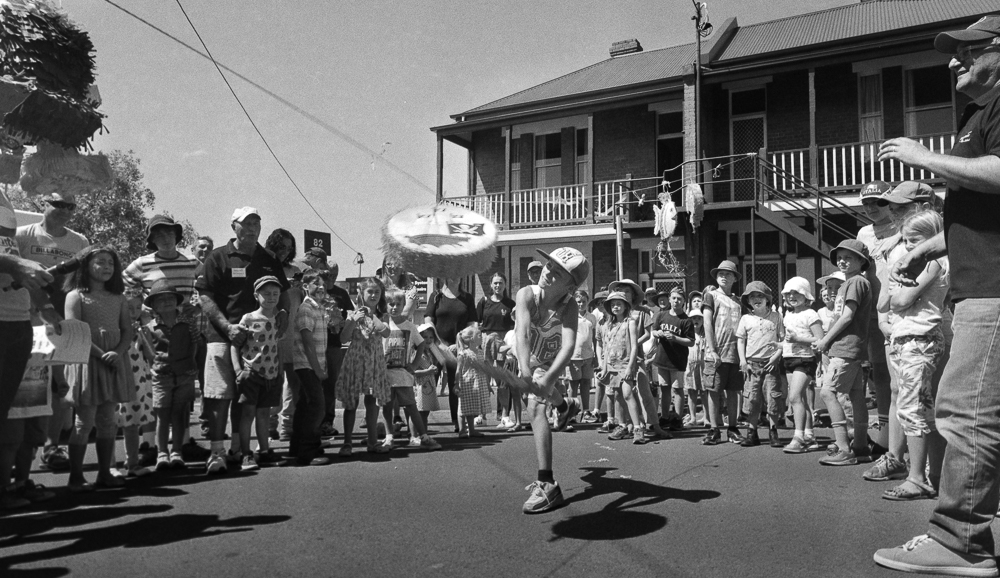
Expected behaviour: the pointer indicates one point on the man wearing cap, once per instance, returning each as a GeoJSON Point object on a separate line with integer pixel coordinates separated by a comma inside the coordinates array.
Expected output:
{"type": "Point", "coordinates": [968, 402]}
{"type": "Point", "coordinates": [960, 541]}
{"type": "Point", "coordinates": [225, 287]}
{"type": "Point", "coordinates": [51, 243]}
{"type": "Point", "coordinates": [545, 325]}
{"type": "Point", "coordinates": [337, 304]}
{"type": "Point", "coordinates": [534, 271]}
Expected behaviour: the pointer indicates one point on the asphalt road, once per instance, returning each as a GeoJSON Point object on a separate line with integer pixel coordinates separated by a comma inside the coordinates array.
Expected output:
{"type": "Point", "coordinates": [670, 508]}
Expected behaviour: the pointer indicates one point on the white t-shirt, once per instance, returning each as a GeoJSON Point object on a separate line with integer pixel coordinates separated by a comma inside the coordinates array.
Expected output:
{"type": "Point", "coordinates": [400, 347]}
{"type": "Point", "coordinates": [800, 325]}
{"type": "Point", "coordinates": [35, 244]}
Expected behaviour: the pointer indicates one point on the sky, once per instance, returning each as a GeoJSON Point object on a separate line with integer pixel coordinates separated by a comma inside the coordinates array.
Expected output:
{"type": "Point", "coordinates": [380, 73]}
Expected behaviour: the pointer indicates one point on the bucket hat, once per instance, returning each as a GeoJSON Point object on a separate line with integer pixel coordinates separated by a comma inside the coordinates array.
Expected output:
{"type": "Point", "coordinates": [756, 287]}
{"type": "Point", "coordinates": [726, 266]}
{"type": "Point", "coordinates": [162, 221]}
{"type": "Point", "coordinates": [854, 246]}
{"type": "Point", "coordinates": [616, 296]}
{"type": "Point", "coordinates": [637, 294]}
{"type": "Point", "coordinates": [800, 286]}
{"type": "Point", "coordinates": [835, 275]}
{"type": "Point", "coordinates": [161, 287]}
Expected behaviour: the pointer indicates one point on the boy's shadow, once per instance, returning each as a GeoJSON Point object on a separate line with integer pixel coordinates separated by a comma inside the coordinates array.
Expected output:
{"type": "Point", "coordinates": [619, 519]}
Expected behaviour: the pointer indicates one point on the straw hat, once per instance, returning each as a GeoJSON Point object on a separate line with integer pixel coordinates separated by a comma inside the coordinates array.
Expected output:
{"type": "Point", "coordinates": [616, 296]}
{"type": "Point", "coordinates": [637, 295]}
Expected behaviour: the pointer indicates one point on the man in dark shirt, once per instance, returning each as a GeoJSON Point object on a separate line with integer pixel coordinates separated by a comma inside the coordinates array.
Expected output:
{"type": "Point", "coordinates": [225, 288]}
{"type": "Point", "coordinates": [338, 303]}
{"type": "Point", "coordinates": [959, 541]}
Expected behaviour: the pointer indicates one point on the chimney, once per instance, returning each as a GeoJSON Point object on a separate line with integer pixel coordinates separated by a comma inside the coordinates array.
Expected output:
{"type": "Point", "coordinates": [623, 47]}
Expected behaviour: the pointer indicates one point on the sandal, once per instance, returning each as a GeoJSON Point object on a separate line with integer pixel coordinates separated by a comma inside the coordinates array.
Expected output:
{"type": "Point", "coordinates": [902, 493]}
{"type": "Point", "coordinates": [80, 487]}
{"type": "Point", "coordinates": [109, 482]}
{"type": "Point", "coordinates": [516, 428]}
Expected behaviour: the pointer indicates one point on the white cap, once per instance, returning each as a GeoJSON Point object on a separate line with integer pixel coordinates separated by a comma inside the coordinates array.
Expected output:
{"type": "Point", "coordinates": [244, 212]}
{"type": "Point", "coordinates": [835, 275]}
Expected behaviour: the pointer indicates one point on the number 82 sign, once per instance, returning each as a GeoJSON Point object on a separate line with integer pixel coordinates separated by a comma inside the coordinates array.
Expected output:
{"type": "Point", "coordinates": [317, 239]}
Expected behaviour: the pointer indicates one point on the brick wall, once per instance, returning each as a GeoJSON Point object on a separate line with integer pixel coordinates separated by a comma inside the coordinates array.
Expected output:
{"type": "Point", "coordinates": [836, 105]}
{"type": "Point", "coordinates": [788, 111]}
{"type": "Point", "coordinates": [489, 151]}
{"type": "Point", "coordinates": [624, 142]}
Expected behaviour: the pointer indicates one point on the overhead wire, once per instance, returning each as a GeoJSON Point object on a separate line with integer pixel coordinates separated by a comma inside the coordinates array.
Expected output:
{"type": "Point", "coordinates": [259, 133]}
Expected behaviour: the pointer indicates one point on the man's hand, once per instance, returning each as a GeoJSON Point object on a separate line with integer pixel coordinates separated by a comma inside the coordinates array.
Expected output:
{"type": "Point", "coordinates": [282, 319]}
{"type": "Point", "coordinates": [821, 345]}
{"type": "Point", "coordinates": [906, 270]}
{"type": "Point", "coordinates": [905, 150]}
{"type": "Point", "coordinates": [236, 333]}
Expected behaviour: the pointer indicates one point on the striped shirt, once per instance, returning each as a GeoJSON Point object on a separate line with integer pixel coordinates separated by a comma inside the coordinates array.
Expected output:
{"type": "Point", "coordinates": [179, 272]}
{"type": "Point", "coordinates": [313, 318]}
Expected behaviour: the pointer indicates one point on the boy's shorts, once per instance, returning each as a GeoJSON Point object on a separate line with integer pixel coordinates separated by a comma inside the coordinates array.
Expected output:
{"type": "Point", "coordinates": [220, 378]}
{"type": "Point", "coordinates": [722, 376]}
{"type": "Point", "coordinates": [671, 378]}
{"type": "Point", "coordinates": [806, 364]}
{"type": "Point", "coordinates": [30, 431]}
{"type": "Point", "coordinates": [171, 390]}
{"type": "Point", "coordinates": [259, 391]}
{"type": "Point", "coordinates": [578, 369]}
{"type": "Point", "coordinates": [763, 389]}
{"type": "Point", "coordinates": [403, 396]}
{"type": "Point", "coordinates": [692, 379]}
{"type": "Point", "coordinates": [843, 375]}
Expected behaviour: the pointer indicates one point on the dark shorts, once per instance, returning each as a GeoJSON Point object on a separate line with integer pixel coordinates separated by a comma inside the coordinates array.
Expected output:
{"type": "Point", "coordinates": [30, 431]}
{"type": "Point", "coordinates": [171, 390]}
{"type": "Point", "coordinates": [260, 392]}
{"type": "Point", "coordinates": [806, 364]}
{"type": "Point", "coordinates": [723, 376]}
{"type": "Point", "coordinates": [403, 396]}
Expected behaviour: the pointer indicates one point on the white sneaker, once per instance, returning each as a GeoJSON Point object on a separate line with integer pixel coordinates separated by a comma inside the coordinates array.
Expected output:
{"type": "Point", "coordinates": [429, 444]}
{"type": "Point", "coordinates": [216, 464]}
{"type": "Point", "coordinates": [414, 443]}
{"type": "Point", "coordinates": [478, 420]}
{"type": "Point", "coordinates": [388, 441]}
{"type": "Point", "coordinates": [505, 423]}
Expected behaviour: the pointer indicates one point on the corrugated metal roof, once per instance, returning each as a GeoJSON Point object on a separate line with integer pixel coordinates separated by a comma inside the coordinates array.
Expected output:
{"type": "Point", "coordinates": [607, 74]}
{"type": "Point", "coordinates": [846, 22]}
{"type": "Point", "coordinates": [795, 32]}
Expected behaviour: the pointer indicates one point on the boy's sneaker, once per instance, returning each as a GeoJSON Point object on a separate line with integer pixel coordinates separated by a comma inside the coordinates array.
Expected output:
{"type": "Point", "coordinates": [751, 439]}
{"type": "Point", "coordinates": [35, 492]}
{"type": "Point", "coordinates": [772, 435]}
{"type": "Point", "coordinates": [734, 436]}
{"type": "Point", "coordinates": [886, 468]}
{"type": "Point", "coordinates": [55, 458]}
{"type": "Point", "coordinates": [10, 499]}
{"type": "Point", "coordinates": [572, 408]}
{"type": "Point", "coordinates": [249, 464]}
{"type": "Point", "coordinates": [712, 438]}
{"type": "Point", "coordinates": [811, 444]}
{"type": "Point", "coordinates": [216, 464]}
{"type": "Point", "coordinates": [387, 442]}
{"type": "Point", "coordinates": [414, 442]}
{"type": "Point", "coordinates": [429, 444]}
{"type": "Point", "coordinates": [176, 461]}
{"type": "Point", "coordinates": [620, 433]}
{"type": "Point", "coordinates": [796, 446]}
{"type": "Point", "coordinates": [544, 497]}
{"type": "Point", "coordinates": [925, 555]}
{"type": "Point", "coordinates": [606, 427]}
{"type": "Point", "coordinates": [639, 437]}
{"type": "Point", "coordinates": [841, 458]}
{"type": "Point", "coordinates": [162, 461]}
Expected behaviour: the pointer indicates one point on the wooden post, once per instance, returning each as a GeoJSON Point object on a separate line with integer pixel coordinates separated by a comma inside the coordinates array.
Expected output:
{"type": "Point", "coordinates": [813, 149]}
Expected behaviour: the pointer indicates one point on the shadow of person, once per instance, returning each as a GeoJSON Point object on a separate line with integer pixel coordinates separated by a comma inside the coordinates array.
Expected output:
{"type": "Point", "coordinates": [620, 519]}
{"type": "Point", "coordinates": [142, 533]}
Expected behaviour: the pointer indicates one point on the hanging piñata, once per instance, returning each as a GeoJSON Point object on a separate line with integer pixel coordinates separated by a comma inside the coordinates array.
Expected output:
{"type": "Point", "coordinates": [441, 240]}
{"type": "Point", "coordinates": [694, 203]}
{"type": "Point", "coordinates": [665, 222]}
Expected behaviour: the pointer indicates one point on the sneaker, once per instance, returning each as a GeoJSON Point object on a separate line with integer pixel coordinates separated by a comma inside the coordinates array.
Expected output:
{"type": "Point", "coordinates": [841, 458]}
{"type": "Point", "coordinates": [504, 423]}
{"type": "Point", "coordinates": [193, 452]}
{"type": "Point", "coordinates": [926, 555]}
{"type": "Point", "coordinates": [162, 462]}
{"type": "Point", "coordinates": [387, 442]}
{"type": "Point", "coordinates": [750, 440]}
{"type": "Point", "coordinates": [734, 436]}
{"type": "Point", "coordinates": [147, 456]}
{"type": "Point", "coordinates": [572, 408]}
{"type": "Point", "coordinates": [327, 430]}
{"type": "Point", "coordinates": [589, 417]}
{"type": "Point", "coordinates": [886, 468]}
{"type": "Point", "coordinates": [55, 458]}
{"type": "Point", "coordinates": [478, 421]}
{"type": "Point", "coordinates": [379, 449]}
{"type": "Point", "coordinates": [864, 455]}
{"type": "Point", "coordinates": [688, 420]}
{"type": "Point", "coordinates": [607, 427]}
{"type": "Point", "coordinates": [176, 461]}
{"type": "Point", "coordinates": [544, 497]}
{"type": "Point", "coordinates": [249, 464]}
{"type": "Point", "coordinates": [35, 493]}
{"type": "Point", "coordinates": [712, 438]}
{"type": "Point", "coordinates": [796, 446]}
{"type": "Point", "coordinates": [216, 464]}
{"type": "Point", "coordinates": [429, 444]}
{"type": "Point", "coordinates": [640, 438]}
{"type": "Point", "coordinates": [414, 442]}
{"type": "Point", "coordinates": [268, 458]}
{"type": "Point", "coordinates": [345, 451]}
{"type": "Point", "coordinates": [10, 499]}
{"type": "Point", "coordinates": [138, 471]}
{"type": "Point", "coordinates": [811, 444]}
{"type": "Point", "coordinates": [619, 434]}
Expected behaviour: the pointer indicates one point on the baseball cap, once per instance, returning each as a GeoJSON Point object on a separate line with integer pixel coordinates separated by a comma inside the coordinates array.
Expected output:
{"type": "Point", "coordinates": [571, 261]}
{"type": "Point", "coordinates": [874, 189]}
{"type": "Point", "coordinates": [907, 192]}
{"type": "Point", "coordinates": [835, 275]}
{"type": "Point", "coordinates": [266, 280]}
{"type": "Point", "coordinates": [535, 264]}
{"type": "Point", "coordinates": [244, 212]}
{"type": "Point", "coordinates": [986, 28]}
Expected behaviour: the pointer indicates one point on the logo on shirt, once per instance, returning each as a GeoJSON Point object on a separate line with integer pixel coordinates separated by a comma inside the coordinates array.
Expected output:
{"type": "Point", "coordinates": [966, 137]}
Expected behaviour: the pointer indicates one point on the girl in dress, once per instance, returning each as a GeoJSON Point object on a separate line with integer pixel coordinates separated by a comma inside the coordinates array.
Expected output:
{"type": "Point", "coordinates": [138, 414]}
{"type": "Point", "coordinates": [429, 368]}
{"type": "Point", "coordinates": [473, 385]}
{"type": "Point", "coordinates": [96, 388]}
{"type": "Point", "coordinates": [363, 371]}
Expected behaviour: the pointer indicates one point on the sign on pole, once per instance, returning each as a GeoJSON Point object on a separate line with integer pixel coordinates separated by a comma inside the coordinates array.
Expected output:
{"type": "Point", "coordinates": [317, 239]}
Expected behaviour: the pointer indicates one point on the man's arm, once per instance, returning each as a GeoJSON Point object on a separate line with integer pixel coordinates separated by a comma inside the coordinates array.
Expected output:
{"type": "Point", "coordinates": [910, 266]}
{"type": "Point", "coordinates": [980, 174]}
{"type": "Point", "coordinates": [215, 316]}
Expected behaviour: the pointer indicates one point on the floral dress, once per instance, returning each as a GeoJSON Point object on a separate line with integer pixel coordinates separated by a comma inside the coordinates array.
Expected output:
{"type": "Point", "coordinates": [424, 389]}
{"type": "Point", "coordinates": [95, 383]}
{"type": "Point", "coordinates": [473, 385]}
{"type": "Point", "coordinates": [140, 411]}
{"type": "Point", "coordinates": [363, 370]}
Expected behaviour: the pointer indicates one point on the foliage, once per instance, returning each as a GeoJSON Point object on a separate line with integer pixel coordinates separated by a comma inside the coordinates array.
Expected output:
{"type": "Point", "coordinates": [115, 217]}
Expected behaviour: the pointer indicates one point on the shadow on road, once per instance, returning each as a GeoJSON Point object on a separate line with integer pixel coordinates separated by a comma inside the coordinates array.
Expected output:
{"type": "Point", "coordinates": [619, 519]}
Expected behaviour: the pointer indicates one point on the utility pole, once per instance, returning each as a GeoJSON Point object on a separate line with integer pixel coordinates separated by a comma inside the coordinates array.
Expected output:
{"type": "Point", "coordinates": [702, 28]}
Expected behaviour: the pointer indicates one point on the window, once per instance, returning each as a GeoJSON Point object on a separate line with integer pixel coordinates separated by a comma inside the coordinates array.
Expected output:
{"type": "Point", "coordinates": [870, 107]}
{"type": "Point", "coordinates": [548, 160]}
{"type": "Point", "coordinates": [929, 100]}
{"type": "Point", "coordinates": [582, 156]}
{"type": "Point", "coordinates": [749, 101]}
{"type": "Point", "coordinates": [645, 260]}
{"type": "Point", "coordinates": [515, 164]}
{"type": "Point", "coordinates": [670, 146]}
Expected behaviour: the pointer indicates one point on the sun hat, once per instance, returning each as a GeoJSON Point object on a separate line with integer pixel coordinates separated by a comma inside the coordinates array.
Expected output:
{"type": "Point", "coordinates": [535, 265]}
{"type": "Point", "coordinates": [695, 313]}
{"type": "Point", "coordinates": [570, 260]}
{"type": "Point", "coordinates": [726, 266]}
{"type": "Point", "coordinates": [874, 189]}
{"type": "Point", "coordinates": [637, 294]}
{"type": "Point", "coordinates": [855, 246]}
{"type": "Point", "coordinates": [161, 287]}
{"type": "Point", "coordinates": [986, 28]}
{"type": "Point", "coordinates": [800, 286]}
{"type": "Point", "coordinates": [616, 296]}
{"type": "Point", "coordinates": [599, 298]}
{"type": "Point", "coordinates": [835, 275]}
{"type": "Point", "coordinates": [694, 294]}
{"type": "Point", "coordinates": [162, 221]}
{"type": "Point", "coordinates": [756, 287]}
{"type": "Point", "coordinates": [907, 192]}
{"type": "Point", "coordinates": [265, 280]}
{"type": "Point", "coordinates": [244, 212]}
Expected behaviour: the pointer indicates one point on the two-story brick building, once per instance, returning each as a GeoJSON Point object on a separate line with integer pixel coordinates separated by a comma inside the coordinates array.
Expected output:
{"type": "Point", "coordinates": [791, 114]}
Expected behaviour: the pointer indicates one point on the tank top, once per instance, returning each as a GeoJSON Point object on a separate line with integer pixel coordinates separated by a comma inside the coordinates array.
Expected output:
{"type": "Point", "coordinates": [545, 334]}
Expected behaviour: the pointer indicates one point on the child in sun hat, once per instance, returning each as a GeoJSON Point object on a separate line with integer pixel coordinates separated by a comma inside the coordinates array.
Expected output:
{"type": "Point", "coordinates": [847, 346]}
{"type": "Point", "coordinates": [758, 338]}
{"type": "Point", "coordinates": [619, 364]}
{"type": "Point", "coordinates": [721, 314]}
{"type": "Point", "coordinates": [802, 328]}
{"type": "Point", "coordinates": [692, 377]}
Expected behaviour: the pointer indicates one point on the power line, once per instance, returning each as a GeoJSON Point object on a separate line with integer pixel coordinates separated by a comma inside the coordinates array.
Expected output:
{"type": "Point", "coordinates": [260, 134]}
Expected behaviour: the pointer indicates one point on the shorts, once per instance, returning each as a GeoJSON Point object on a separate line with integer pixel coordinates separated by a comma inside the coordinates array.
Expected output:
{"type": "Point", "coordinates": [29, 431]}
{"type": "Point", "coordinates": [763, 387]}
{"type": "Point", "coordinates": [259, 391]}
{"type": "Point", "coordinates": [578, 369]}
{"type": "Point", "coordinates": [843, 375]}
{"type": "Point", "coordinates": [220, 378]}
{"type": "Point", "coordinates": [171, 390]}
{"type": "Point", "coordinates": [806, 364]}
{"type": "Point", "coordinates": [671, 378]}
{"type": "Point", "coordinates": [915, 359]}
{"type": "Point", "coordinates": [403, 396]}
{"type": "Point", "coordinates": [692, 378]}
{"type": "Point", "coordinates": [723, 376]}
